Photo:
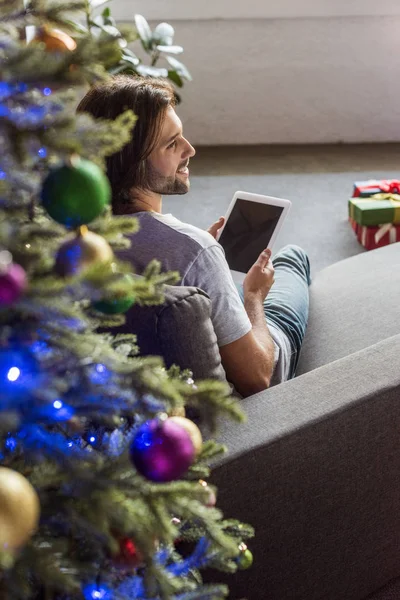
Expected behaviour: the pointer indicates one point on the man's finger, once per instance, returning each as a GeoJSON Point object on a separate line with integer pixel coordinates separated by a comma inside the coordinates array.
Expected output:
{"type": "Point", "coordinates": [264, 257]}
{"type": "Point", "coordinates": [215, 226]}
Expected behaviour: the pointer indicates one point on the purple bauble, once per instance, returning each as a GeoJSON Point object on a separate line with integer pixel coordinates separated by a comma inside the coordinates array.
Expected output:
{"type": "Point", "coordinates": [12, 284]}
{"type": "Point", "coordinates": [162, 450]}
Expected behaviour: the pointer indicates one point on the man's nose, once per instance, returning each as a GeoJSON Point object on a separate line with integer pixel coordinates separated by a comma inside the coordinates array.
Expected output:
{"type": "Point", "coordinates": [189, 150]}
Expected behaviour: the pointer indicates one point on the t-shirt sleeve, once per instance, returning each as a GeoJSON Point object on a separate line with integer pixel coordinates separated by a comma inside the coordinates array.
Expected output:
{"type": "Point", "coordinates": [210, 272]}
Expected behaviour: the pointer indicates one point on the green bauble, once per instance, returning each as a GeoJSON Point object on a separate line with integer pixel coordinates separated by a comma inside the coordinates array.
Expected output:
{"type": "Point", "coordinates": [245, 560]}
{"type": "Point", "coordinates": [114, 307]}
{"type": "Point", "coordinates": [118, 305]}
{"type": "Point", "coordinates": [75, 193]}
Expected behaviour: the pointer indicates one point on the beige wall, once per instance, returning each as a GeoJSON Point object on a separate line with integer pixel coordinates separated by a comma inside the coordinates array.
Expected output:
{"type": "Point", "coordinates": [293, 71]}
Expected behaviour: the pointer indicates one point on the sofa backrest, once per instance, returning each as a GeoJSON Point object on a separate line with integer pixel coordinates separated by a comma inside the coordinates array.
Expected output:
{"type": "Point", "coordinates": [354, 304]}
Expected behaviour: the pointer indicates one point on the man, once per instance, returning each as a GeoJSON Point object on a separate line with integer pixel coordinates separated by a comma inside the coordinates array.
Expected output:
{"type": "Point", "coordinates": [260, 335]}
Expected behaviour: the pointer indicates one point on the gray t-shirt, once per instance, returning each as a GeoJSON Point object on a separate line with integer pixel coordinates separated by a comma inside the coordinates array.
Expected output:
{"type": "Point", "coordinates": [200, 261]}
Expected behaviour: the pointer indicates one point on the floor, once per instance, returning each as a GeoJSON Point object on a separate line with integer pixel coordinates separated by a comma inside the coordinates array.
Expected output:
{"type": "Point", "coordinates": [318, 180]}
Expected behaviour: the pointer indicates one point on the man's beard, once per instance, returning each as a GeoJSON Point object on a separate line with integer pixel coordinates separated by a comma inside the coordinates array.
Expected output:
{"type": "Point", "coordinates": [165, 186]}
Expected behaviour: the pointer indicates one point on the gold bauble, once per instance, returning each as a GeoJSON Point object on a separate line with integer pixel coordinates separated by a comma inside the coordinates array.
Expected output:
{"type": "Point", "coordinates": [55, 40]}
{"type": "Point", "coordinates": [177, 411]}
{"type": "Point", "coordinates": [19, 509]}
{"type": "Point", "coordinates": [82, 251]}
{"type": "Point", "coordinates": [192, 429]}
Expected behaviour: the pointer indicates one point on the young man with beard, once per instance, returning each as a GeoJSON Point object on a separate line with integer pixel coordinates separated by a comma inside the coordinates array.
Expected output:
{"type": "Point", "coordinates": [259, 330]}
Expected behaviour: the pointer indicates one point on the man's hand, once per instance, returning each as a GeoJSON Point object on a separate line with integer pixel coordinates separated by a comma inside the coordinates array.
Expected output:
{"type": "Point", "coordinates": [215, 227]}
{"type": "Point", "coordinates": [260, 277]}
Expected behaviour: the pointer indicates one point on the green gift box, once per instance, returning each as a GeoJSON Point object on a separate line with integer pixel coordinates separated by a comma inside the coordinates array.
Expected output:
{"type": "Point", "coordinates": [375, 210]}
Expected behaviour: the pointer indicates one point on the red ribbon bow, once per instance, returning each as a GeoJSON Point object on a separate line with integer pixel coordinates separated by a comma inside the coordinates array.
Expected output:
{"type": "Point", "coordinates": [390, 186]}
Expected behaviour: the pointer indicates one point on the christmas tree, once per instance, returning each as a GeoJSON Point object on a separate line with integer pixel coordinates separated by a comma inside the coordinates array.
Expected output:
{"type": "Point", "coordinates": [102, 478]}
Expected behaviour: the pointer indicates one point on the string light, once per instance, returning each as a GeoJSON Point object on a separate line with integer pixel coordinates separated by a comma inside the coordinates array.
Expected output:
{"type": "Point", "coordinates": [96, 592]}
{"type": "Point", "coordinates": [13, 374]}
{"type": "Point", "coordinates": [10, 444]}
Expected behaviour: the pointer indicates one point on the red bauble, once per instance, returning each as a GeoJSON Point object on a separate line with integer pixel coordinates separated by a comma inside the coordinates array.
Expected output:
{"type": "Point", "coordinates": [128, 555]}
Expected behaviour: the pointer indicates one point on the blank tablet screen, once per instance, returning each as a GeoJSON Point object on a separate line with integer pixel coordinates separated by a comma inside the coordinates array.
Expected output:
{"type": "Point", "coordinates": [248, 232]}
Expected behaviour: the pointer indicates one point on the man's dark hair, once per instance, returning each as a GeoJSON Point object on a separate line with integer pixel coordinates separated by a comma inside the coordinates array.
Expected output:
{"type": "Point", "coordinates": [149, 99]}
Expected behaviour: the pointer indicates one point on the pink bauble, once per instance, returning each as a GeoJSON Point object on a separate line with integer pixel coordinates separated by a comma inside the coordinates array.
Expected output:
{"type": "Point", "coordinates": [12, 284]}
{"type": "Point", "coordinates": [162, 450]}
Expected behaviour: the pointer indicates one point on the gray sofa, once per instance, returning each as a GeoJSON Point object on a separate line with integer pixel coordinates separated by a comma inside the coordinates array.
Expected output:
{"type": "Point", "coordinates": [316, 467]}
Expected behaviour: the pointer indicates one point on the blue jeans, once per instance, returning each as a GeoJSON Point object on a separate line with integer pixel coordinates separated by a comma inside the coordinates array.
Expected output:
{"type": "Point", "coordinates": [286, 305]}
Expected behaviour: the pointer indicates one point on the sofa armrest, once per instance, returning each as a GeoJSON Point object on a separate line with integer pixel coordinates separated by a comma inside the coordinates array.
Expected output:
{"type": "Point", "coordinates": [316, 470]}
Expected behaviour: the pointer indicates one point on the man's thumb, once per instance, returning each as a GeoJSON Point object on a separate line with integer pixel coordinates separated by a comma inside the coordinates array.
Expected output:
{"type": "Point", "coordinates": [264, 257]}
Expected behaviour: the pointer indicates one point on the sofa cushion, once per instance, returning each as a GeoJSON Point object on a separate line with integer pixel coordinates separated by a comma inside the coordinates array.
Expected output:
{"type": "Point", "coordinates": [353, 304]}
{"type": "Point", "coordinates": [180, 330]}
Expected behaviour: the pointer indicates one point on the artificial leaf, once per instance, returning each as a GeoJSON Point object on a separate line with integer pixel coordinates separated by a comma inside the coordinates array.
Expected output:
{"type": "Point", "coordinates": [128, 32]}
{"type": "Point", "coordinates": [121, 68]}
{"type": "Point", "coordinates": [175, 77]}
{"type": "Point", "coordinates": [78, 27]}
{"type": "Point", "coordinates": [130, 59]}
{"type": "Point", "coordinates": [151, 71]}
{"type": "Point", "coordinates": [111, 30]}
{"type": "Point", "coordinates": [97, 3]}
{"type": "Point", "coordinates": [128, 52]}
{"type": "Point", "coordinates": [144, 31]}
{"type": "Point", "coordinates": [170, 49]}
{"type": "Point", "coordinates": [179, 68]}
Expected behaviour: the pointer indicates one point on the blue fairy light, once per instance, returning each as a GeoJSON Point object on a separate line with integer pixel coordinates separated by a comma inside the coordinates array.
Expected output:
{"type": "Point", "coordinates": [21, 88]}
{"type": "Point", "coordinates": [42, 152]}
{"type": "Point", "coordinates": [47, 91]}
{"type": "Point", "coordinates": [31, 115]}
{"type": "Point", "coordinates": [4, 110]}
{"type": "Point", "coordinates": [10, 444]}
{"type": "Point", "coordinates": [41, 349]}
{"type": "Point", "coordinates": [99, 374]}
{"type": "Point", "coordinates": [13, 374]}
{"type": "Point", "coordinates": [93, 591]}
{"type": "Point", "coordinates": [94, 437]}
{"type": "Point", "coordinates": [6, 89]}
{"type": "Point", "coordinates": [35, 114]}
{"type": "Point", "coordinates": [57, 411]}
{"type": "Point", "coordinates": [2, 175]}
{"type": "Point", "coordinates": [18, 370]}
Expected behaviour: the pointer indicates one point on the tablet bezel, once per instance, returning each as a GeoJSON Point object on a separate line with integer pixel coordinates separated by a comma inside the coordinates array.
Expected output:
{"type": "Point", "coordinates": [238, 276]}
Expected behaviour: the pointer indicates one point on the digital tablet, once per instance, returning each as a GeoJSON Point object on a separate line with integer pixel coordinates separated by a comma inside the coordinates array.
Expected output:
{"type": "Point", "coordinates": [252, 223]}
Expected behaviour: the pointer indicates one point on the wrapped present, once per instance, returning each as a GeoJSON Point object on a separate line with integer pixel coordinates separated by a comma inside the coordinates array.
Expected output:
{"type": "Point", "coordinates": [376, 210]}
{"type": "Point", "coordinates": [376, 237]}
{"type": "Point", "coordinates": [354, 225]}
{"type": "Point", "coordinates": [365, 189]}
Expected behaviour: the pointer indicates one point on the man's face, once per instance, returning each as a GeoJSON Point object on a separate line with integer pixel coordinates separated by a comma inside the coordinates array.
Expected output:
{"type": "Point", "coordinates": [168, 163]}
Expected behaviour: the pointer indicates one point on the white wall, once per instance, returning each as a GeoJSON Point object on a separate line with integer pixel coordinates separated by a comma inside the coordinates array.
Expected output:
{"type": "Point", "coordinates": [293, 71]}
{"type": "Point", "coordinates": [251, 9]}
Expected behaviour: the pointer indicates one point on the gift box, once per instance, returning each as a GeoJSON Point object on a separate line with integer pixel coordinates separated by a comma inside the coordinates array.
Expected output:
{"type": "Point", "coordinates": [365, 189]}
{"type": "Point", "coordinates": [376, 210]}
{"type": "Point", "coordinates": [354, 225]}
{"type": "Point", "coordinates": [376, 237]}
